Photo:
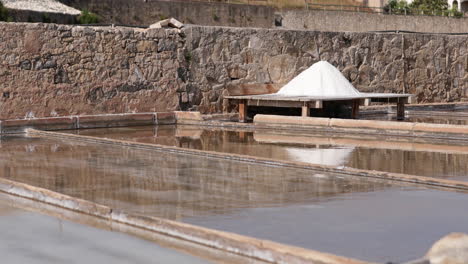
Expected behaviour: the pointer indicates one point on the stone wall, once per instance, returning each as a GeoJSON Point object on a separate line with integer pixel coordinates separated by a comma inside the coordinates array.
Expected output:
{"type": "Point", "coordinates": [233, 60]}
{"type": "Point", "coordinates": [363, 22]}
{"type": "Point", "coordinates": [32, 16]}
{"type": "Point", "coordinates": [139, 12]}
{"type": "Point", "coordinates": [51, 70]}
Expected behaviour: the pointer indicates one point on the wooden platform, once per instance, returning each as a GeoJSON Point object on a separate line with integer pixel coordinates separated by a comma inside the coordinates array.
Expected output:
{"type": "Point", "coordinates": [316, 102]}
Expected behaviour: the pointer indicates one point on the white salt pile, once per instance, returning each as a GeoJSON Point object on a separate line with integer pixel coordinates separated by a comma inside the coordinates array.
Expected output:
{"type": "Point", "coordinates": [321, 79]}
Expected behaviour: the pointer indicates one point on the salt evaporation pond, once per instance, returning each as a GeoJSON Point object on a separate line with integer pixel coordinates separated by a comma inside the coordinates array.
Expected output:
{"type": "Point", "coordinates": [357, 217]}
{"type": "Point", "coordinates": [424, 159]}
{"type": "Point", "coordinates": [34, 238]}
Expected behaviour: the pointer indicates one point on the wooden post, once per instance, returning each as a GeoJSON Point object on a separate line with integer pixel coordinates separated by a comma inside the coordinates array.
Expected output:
{"type": "Point", "coordinates": [305, 111]}
{"type": "Point", "coordinates": [355, 109]}
{"type": "Point", "coordinates": [243, 111]}
{"type": "Point", "coordinates": [401, 109]}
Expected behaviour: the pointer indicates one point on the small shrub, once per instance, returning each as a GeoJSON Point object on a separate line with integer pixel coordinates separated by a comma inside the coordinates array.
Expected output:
{"type": "Point", "coordinates": [454, 12]}
{"type": "Point", "coordinates": [87, 17]}
{"type": "Point", "coordinates": [162, 17]}
{"type": "Point", "coordinates": [46, 18]}
{"type": "Point", "coordinates": [215, 17]}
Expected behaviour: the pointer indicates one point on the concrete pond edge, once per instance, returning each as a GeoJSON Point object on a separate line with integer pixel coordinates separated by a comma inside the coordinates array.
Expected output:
{"type": "Point", "coordinates": [405, 178]}
{"type": "Point", "coordinates": [263, 250]}
{"type": "Point", "coordinates": [291, 123]}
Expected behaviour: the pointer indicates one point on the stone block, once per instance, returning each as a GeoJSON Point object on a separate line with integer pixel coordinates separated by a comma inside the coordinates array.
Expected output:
{"type": "Point", "coordinates": [115, 120]}
{"type": "Point", "coordinates": [190, 116]}
{"type": "Point", "coordinates": [165, 118]}
{"type": "Point", "coordinates": [171, 23]}
{"type": "Point", "coordinates": [372, 124]}
{"type": "Point", "coordinates": [52, 123]}
{"type": "Point", "coordinates": [440, 128]}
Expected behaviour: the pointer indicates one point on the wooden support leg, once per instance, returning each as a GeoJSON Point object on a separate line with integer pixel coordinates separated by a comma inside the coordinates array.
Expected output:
{"type": "Point", "coordinates": [355, 109]}
{"type": "Point", "coordinates": [305, 111]}
{"type": "Point", "coordinates": [242, 111]}
{"type": "Point", "coordinates": [401, 109]}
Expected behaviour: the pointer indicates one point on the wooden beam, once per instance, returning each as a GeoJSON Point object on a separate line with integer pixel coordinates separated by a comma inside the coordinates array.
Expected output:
{"type": "Point", "coordinates": [305, 111]}
{"type": "Point", "coordinates": [242, 111]}
{"type": "Point", "coordinates": [275, 103]}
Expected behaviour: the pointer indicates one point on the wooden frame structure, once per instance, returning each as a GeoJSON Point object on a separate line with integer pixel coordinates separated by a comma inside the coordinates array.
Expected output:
{"type": "Point", "coordinates": [308, 102]}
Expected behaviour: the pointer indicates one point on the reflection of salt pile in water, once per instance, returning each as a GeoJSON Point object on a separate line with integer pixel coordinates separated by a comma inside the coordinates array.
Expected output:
{"type": "Point", "coordinates": [331, 157]}
{"type": "Point", "coordinates": [321, 79]}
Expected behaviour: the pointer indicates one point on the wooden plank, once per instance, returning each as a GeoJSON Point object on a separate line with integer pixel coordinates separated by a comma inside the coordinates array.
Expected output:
{"type": "Point", "coordinates": [275, 103]}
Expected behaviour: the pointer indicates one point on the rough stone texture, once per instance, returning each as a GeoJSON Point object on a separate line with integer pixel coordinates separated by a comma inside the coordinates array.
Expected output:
{"type": "Point", "coordinates": [364, 22]}
{"type": "Point", "coordinates": [51, 70]}
{"type": "Point", "coordinates": [452, 248]}
{"type": "Point", "coordinates": [47, 6]}
{"type": "Point", "coordinates": [433, 67]}
{"type": "Point", "coordinates": [140, 12]}
{"type": "Point", "coordinates": [33, 16]}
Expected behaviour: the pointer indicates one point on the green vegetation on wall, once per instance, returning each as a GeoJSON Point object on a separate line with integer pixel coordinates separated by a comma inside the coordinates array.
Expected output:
{"type": "Point", "coordinates": [87, 17]}
{"type": "Point", "coordinates": [4, 14]}
{"type": "Point", "coordinates": [421, 7]}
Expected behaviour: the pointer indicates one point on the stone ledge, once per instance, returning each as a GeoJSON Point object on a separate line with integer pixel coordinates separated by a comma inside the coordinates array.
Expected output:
{"type": "Point", "coordinates": [88, 121]}
{"type": "Point", "coordinates": [53, 123]}
{"type": "Point", "coordinates": [115, 120]}
{"type": "Point", "coordinates": [229, 242]}
{"type": "Point", "coordinates": [165, 118]}
{"type": "Point", "coordinates": [364, 126]}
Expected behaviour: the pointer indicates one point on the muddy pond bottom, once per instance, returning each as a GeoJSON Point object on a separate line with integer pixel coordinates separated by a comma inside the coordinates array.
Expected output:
{"type": "Point", "coordinates": [368, 219]}
{"type": "Point", "coordinates": [442, 160]}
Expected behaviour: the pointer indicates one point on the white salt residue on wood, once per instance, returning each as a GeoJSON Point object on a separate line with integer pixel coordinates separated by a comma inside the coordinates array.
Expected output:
{"type": "Point", "coordinates": [321, 79]}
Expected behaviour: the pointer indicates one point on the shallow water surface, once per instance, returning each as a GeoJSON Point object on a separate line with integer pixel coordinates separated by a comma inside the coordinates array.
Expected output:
{"type": "Point", "coordinates": [424, 159]}
{"type": "Point", "coordinates": [33, 238]}
{"type": "Point", "coordinates": [369, 219]}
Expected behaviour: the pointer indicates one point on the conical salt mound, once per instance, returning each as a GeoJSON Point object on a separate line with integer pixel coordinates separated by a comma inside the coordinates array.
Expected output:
{"type": "Point", "coordinates": [321, 80]}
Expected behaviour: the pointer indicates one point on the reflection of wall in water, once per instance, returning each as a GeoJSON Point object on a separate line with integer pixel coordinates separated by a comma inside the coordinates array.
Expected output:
{"type": "Point", "coordinates": [164, 184]}
{"type": "Point", "coordinates": [410, 162]}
